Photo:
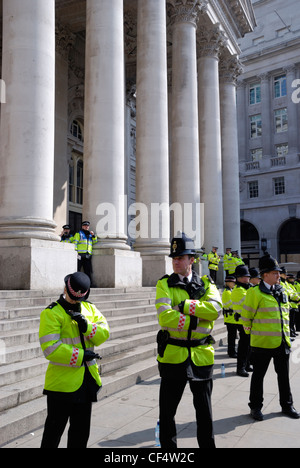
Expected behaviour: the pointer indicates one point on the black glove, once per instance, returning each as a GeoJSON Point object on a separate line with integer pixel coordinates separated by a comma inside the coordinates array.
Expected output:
{"type": "Point", "coordinates": [81, 321]}
{"type": "Point", "coordinates": [90, 355]}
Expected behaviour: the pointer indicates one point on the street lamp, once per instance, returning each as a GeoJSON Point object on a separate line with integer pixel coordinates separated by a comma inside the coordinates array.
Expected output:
{"type": "Point", "coordinates": [264, 244]}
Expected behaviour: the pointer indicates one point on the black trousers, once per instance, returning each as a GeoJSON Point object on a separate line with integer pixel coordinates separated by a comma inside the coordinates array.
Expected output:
{"type": "Point", "coordinates": [60, 411]}
{"type": "Point", "coordinates": [243, 352]}
{"type": "Point", "coordinates": [171, 391]}
{"type": "Point", "coordinates": [260, 362]}
{"type": "Point", "coordinates": [213, 275]}
{"type": "Point", "coordinates": [232, 329]}
{"type": "Point", "coordinates": [86, 265]}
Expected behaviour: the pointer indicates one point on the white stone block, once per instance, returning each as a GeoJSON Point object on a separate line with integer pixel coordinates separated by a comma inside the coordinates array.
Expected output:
{"type": "Point", "coordinates": [35, 264]}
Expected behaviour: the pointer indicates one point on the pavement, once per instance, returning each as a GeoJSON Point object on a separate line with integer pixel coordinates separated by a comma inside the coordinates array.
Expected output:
{"type": "Point", "coordinates": [127, 419]}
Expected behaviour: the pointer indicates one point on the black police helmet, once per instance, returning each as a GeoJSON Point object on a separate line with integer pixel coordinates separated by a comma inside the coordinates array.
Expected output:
{"type": "Point", "coordinates": [268, 263]}
{"type": "Point", "coordinates": [241, 270]}
{"type": "Point", "coordinates": [182, 245]}
{"type": "Point", "coordinates": [78, 286]}
{"type": "Point", "coordinates": [254, 272]}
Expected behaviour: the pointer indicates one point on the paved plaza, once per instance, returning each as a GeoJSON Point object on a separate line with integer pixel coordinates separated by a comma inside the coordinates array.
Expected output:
{"type": "Point", "coordinates": [127, 419]}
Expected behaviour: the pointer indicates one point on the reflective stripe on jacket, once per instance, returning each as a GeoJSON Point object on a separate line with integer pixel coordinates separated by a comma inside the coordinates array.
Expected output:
{"type": "Point", "coordinates": [84, 242]}
{"type": "Point", "coordinates": [207, 310]}
{"type": "Point", "coordinates": [264, 319]}
{"type": "Point", "coordinates": [61, 345]}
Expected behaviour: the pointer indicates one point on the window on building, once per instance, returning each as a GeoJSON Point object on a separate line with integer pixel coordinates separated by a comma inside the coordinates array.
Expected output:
{"type": "Point", "coordinates": [255, 126]}
{"type": "Point", "coordinates": [281, 120]}
{"type": "Point", "coordinates": [79, 184]}
{"type": "Point", "coordinates": [280, 88]}
{"type": "Point", "coordinates": [279, 186]}
{"type": "Point", "coordinates": [76, 130]}
{"type": "Point", "coordinates": [253, 189]}
{"type": "Point", "coordinates": [256, 154]}
{"type": "Point", "coordinates": [282, 150]}
{"type": "Point", "coordinates": [255, 93]}
{"type": "Point", "coordinates": [76, 179]}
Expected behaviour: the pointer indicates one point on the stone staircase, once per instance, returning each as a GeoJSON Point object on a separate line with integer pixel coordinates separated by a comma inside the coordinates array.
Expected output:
{"type": "Point", "coordinates": [128, 357]}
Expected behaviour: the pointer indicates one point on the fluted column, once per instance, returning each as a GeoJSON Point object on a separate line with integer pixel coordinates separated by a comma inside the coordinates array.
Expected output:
{"type": "Point", "coordinates": [210, 39]}
{"type": "Point", "coordinates": [31, 256]}
{"type": "Point", "coordinates": [104, 122]}
{"type": "Point", "coordinates": [152, 181]}
{"type": "Point", "coordinates": [266, 115]}
{"type": "Point", "coordinates": [152, 166]}
{"type": "Point", "coordinates": [229, 70]}
{"type": "Point", "coordinates": [104, 157]}
{"type": "Point", "coordinates": [185, 179]}
{"type": "Point", "coordinates": [27, 120]}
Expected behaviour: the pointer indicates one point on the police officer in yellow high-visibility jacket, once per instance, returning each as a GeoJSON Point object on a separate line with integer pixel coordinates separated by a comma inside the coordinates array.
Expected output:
{"type": "Point", "coordinates": [238, 296]}
{"type": "Point", "coordinates": [69, 330]}
{"type": "Point", "coordinates": [266, 320]}
{"type": "Point", "coordinates": [84, 241]}
{"type": "Point", "coordinates": [187, 307]}
{"type": "Point", "coordinates": [213, 262]}
{"type": "Point", "coordinates": [229, 320]}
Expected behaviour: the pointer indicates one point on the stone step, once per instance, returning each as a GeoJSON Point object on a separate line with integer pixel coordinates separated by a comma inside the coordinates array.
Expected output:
{"type": "Point", "coordinates": [26, 330]}
{"type": "Point", "coordinates": [29, 416]}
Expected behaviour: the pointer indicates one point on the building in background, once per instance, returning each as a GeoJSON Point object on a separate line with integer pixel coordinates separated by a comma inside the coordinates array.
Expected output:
{"type": "Point", "coordinates": [116, 110]}
{"type": "Point", "coordinates": [268, 97]}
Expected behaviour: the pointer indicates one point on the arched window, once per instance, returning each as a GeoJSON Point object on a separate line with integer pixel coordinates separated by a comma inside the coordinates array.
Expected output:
{"type": "Point", "coordinates": [77, 130]}
{"type": "Point", "coordinates": [289, 241]}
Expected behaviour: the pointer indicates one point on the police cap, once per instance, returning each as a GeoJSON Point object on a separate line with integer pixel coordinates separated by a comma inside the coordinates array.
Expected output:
{"type": "Point", "coordinates": [78, 286]}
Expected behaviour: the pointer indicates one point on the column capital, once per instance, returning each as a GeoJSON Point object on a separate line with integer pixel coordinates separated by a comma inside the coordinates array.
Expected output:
{"type": "Point", "coordinates": [186, 11]}
{"type": "Point", "coordinates": [230, 68]}
{"type": "Point", "coordinates": [211, 40]}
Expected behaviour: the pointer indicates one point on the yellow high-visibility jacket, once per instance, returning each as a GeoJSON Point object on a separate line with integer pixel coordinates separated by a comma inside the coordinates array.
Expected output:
{"type": "Point", "coordinates": [213, 261]}
{"type": "Point", "coordinates": [61, 345]}
{"type": "Point", "coordinates": [227, 306]}
{"type": "Point", "coordinates": [238, 296]}
{"type": "Point", "coordinates": [265, 319]}
{"type": "Point", "coordinates": [170, 292]}
{"type": "Point", "coordinates": [84, 242]}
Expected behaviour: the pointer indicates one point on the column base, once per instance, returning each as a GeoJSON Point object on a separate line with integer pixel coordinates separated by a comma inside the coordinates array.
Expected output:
{"type": "Point", "coordinates": [115, 268]}
{"type": "Point", "coordinates": [35, 264]}
{"type": "Point", "coordinates": [155, 267]}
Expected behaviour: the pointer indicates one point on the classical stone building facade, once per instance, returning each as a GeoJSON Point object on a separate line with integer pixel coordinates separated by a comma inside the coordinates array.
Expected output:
{"type": "Point", "coordinates": [116, 111]}
{"type": "Point", "coordinates": [269, 137]}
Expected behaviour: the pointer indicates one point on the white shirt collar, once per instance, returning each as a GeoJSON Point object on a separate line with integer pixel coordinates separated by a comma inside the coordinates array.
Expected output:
{"type": "Point", "coordinates": [267, 285]}
{"type": "Point", "coordinates": [188, 277]}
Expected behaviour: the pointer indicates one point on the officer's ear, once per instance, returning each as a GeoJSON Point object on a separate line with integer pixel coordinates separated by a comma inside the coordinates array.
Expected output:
{"type": "Point", "coordinates": [192, 259]}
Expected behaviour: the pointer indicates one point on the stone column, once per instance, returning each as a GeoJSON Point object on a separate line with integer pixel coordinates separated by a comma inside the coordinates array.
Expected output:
{"type": "Point", "coordinates": [229, 70]}
{"type": "Point", "coordinates": [31, 256]}
{"type": "Point", "coordinates": [210, 39]}
{"type": "Point", "coordinates": [152, 164]}
{"type": "Point", "coordinates": [27, 124]}
{"type": "Point", "coordinates": [185, 178]}
{"type": "Point", "coordinates": [104, 202]}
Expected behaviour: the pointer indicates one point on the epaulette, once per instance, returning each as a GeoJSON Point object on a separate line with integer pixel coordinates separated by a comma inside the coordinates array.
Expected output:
{"type": "Point", "coordinates": [51, 305]}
